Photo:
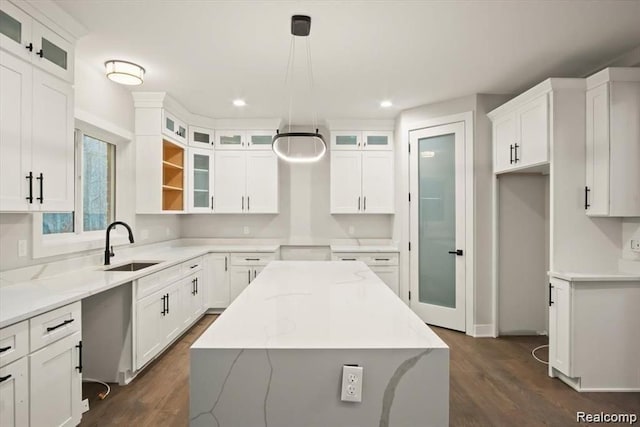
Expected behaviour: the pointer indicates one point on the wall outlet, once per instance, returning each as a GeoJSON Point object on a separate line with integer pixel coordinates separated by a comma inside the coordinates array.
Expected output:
{"type": "Point", "coordinates": [635, 245]}
{"type": "Point", "coordinates": [352, 230]}
{"type": "Point", "coordinates": [22, 248]}
{"type": "Point", "coordinates": [352, 383]}
{"type": "Point", "coordinates": [245, 230]}
{"type": "Point", "coordinates": [85, 405]}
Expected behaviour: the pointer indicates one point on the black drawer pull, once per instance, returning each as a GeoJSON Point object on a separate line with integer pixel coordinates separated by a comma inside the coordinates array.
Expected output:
{"type": "Point", "coordinates": [53, 328]}
{"type": "Point", "coordinates": [79, 347]}
{"type": "Point", "coordinates": [348, 259]}
{"type": "Point", "coordinates": [382, 259]}
{"type": "Point", "coordinates": [3, 349]}
{"type": "Point", "coordinates": [41, 179]}
{"type": "Point", "coordinates": [252, 259]}
{"type": "Point", "coordinates": [164, 305]}
{"type": "Point", "coordinates": [586, 198]}
{"type": "Point", "coordinates": [30, 178]}
{"type": "Point", "coordinates": [194, 265]}
{"type": "Point", "coordinates": [3, 379]}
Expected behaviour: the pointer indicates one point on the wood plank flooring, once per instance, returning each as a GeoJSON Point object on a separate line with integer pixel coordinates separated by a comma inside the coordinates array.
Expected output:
{"type": "Point", "coordinates": [494, 382]}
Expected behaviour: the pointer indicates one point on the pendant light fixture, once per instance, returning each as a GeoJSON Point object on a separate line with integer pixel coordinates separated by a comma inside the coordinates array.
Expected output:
{"type": "Point", "coordinates": [313, 143]}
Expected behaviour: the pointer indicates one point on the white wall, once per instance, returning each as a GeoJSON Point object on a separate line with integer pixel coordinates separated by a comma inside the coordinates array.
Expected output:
{"type": "Point", "coordinates": [304, 216]}
{"type": "Point", "coordinates": [106, 105]}
{"type": "Point", "coordinates": [630, 230]}
{"type": "Point", "coordinates": [479, 105]}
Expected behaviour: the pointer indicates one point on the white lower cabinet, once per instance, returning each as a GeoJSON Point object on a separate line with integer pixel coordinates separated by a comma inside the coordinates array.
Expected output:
{"type": "Point", "coordinates": [245, 267]}
{"type": "Point", "coordinates": [165, 314]}
{"type": "Point", "coordinates": [14, 394]}
{"type": "Point", "coordinates": [593, 334]}
{"type": "Point", "coordinates": [217, 266]}
{"type": "Point", "coordinates": [41, 370]}
{"type": "Point", "coordinates": [56, 383]}
{"type": "Point", "coordinates": [384, 264]}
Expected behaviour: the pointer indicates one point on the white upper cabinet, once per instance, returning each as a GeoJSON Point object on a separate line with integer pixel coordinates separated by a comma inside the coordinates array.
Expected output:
{"type": "Point", "coordinates": [244, 139]}
{"type": "Point", "coordinates": [201, 137]}
{"type": "Point", "coordinates": [32, 41]}
{"type": "Point", "coordinates": [377, 182]}
{"type": "Point", "coordinates": [37, 148]}
{"type": "Point", "coordinates": [200, 181]}
{"type": "Point", "coordinates": [346, 181]}
{"type": "Point", "coordinates": [174, 127]}
{"type": "Point", "coordinates": [521, 135]}
{"type": "Point", "coordinates": [613, 143]}
{"type": "Point", "coordinates": [361, 140]}
{"type": "Point", "coordinates": [246, 182]}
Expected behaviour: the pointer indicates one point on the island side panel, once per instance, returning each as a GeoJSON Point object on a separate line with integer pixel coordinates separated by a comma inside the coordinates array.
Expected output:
{"type": "Point", "coordinates": [288, 387]}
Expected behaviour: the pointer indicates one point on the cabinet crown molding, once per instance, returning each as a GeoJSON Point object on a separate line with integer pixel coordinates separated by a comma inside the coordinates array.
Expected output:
{"type": "Point", "coordinates": [54, 17]}
{"type": "Point", "coordinates": [618, 74]}
{"type": "Point", "coordinates": [546, 86]}
{"type": "Point", "coordinates": [362, 124]}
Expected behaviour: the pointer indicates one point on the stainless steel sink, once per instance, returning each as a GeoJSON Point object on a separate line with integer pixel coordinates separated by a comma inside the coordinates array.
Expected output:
{"type": "Point", "coordinates": [133, 266]}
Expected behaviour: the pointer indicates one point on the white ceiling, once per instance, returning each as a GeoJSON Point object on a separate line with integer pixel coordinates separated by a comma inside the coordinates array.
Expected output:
{"type": "Point", "coordinates": [206, 53]}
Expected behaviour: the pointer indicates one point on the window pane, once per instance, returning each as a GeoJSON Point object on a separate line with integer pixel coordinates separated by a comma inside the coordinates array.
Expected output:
{"type": "Point", "coordinates": [54, 223]}
{"type": "Point", "coordinates": [97, 183]}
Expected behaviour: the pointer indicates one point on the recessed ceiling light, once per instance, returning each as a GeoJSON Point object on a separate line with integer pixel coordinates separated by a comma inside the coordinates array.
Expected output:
{"type": "Point", "coordinates": [239, 102]}
{"type": "Point", "coordinates": [124, 72]}
{"type": "Point", "coordinates": [386, 104]}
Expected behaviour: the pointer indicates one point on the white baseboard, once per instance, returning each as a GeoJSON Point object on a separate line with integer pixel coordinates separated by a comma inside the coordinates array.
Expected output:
{"type": "Point", "coordinates": [483, 331]}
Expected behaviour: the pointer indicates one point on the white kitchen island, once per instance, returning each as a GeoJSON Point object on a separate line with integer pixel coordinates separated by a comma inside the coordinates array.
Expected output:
{"type": "Point", "coordinates": [275, 356]}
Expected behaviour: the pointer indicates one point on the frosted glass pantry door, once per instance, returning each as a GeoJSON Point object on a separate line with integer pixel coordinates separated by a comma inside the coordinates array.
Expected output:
{"type": "Point", "coordinates": [437, 225]}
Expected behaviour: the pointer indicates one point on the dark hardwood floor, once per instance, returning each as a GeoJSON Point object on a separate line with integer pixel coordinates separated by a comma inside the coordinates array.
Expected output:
{"type": "Point", "coordinates": [494, 382]}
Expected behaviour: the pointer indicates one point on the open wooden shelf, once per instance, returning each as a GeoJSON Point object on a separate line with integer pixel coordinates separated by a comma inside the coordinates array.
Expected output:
{"type": "Point", "coordinates": [172, 177]}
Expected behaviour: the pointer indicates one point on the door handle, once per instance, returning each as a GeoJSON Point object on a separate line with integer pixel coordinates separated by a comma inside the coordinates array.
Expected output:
{"type": "Point", "coordinates": [30, 178]}
{"type": "Point", "coordinates": [66, 322]}
{"type": "Point", "coordinates": [40, 53]}
{"type": "Point", "coordinates": [79, 347]}
{"type": "Point", "coordinates": [255, 273]}
{"type": "Point", "coordinates": [358, 202]}
{"type": "Point", "coordinates": [3, 349]}
{"type": "Point", "coordinates": [164, 305]}
{"type": "Point", "coordinates": [550, 300]}
{"type": "Point", "coordinates": [29, 47]}
{"type": "Point", "coordinates": [167, 303]}
{"type": "Point", "coordinates": [3, 379]}
{"type": "Point", "coordinates": [248, 276]}
{"type": "Point", "coordinates": [510, 154]}
{"type": "Point", "coordinates": [225, 263]}
{"type": "Point", "coordinates": [458, 252]}
{"type": "Point", "coordinates": [364, 203]}
{"type": "Point", "coordinates": [193, 286]}
{"type": "Point", "coordinates": [243, 203]}
{"type": "Point", "coordinates": [248, 205]}
{"type": "Point", "coordinates": [586, 198]}
{"type": "Point", "coordinates": [516, 159]}
{"type": "Point", "coordinates": [41, 179]}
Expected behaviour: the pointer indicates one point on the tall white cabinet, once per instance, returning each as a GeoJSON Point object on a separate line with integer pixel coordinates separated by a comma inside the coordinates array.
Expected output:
{"type": "Point", "coordinates": [36, 115]}
{"type": "Point", "coordinates": [613, 143]}
{"type": "Point", "coordinates": [362, 173]}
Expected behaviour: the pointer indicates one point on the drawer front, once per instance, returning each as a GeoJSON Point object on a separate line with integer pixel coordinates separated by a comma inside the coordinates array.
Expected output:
{"type": "Point", "coordinates": [153, 282]}
{"type": "Point", "coordinates": [192, 266]}
{"type": "Point", "coordinates": [54, 325]}
{"type": "Point", "coordinates": [252, 259]}
{"type": "Point", "coordinates": [371, 259]}
{"type": "Point", "coordinates": [14, 342]}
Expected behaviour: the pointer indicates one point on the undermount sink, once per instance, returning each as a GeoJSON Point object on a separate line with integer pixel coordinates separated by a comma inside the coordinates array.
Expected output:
{"type": "Point", "coordinates": [133, 266]}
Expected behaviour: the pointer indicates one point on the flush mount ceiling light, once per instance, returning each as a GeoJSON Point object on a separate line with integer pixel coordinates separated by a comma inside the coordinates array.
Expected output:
{"type": "Point", "coordinates": [239, 102]}
{"type": "Point", "coordinates": [299, 147]}
{"type": "Point", "coordinates": [386, 104]}
{"type": "Point", "coordinates": [124, 72]}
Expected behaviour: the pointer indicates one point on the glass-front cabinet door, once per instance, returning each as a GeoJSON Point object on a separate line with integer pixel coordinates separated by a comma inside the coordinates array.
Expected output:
{"type": "Point", "coordinates": [201, 137]}
{"type": "Point", "coordinates": [52, 53]}
{"type": "Point", "coordinates": [200, 180]}
{"type": "Point", "coordinates": [15, 31]}
{"type": "Point", "coordinates": [174, 127]}
{"type": "Point", "coordinates": [260, 139]}
{"type": "Point", "coordinates": [377, 140]}
{"type": "Point", "coordinates": [346, 140]}
{"type": "Point", "coordinates": [230, 139]}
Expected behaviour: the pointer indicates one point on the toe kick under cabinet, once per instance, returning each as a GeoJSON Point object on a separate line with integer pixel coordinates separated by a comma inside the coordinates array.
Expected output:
{"type": "Point", "coordinates": [593, 334]}
{"type": "Point", "coordinates": [41, 370]}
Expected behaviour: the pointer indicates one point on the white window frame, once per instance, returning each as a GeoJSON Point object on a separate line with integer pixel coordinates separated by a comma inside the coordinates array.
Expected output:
{"type": "Point", "coordinates": [46, 245]}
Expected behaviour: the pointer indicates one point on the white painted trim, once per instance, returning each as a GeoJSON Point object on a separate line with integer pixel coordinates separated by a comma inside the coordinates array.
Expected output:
{"type": "Point", "coordinates": [494, 249]}
{"type": "Point", "coordinates": [341, 124]}
{"type": "Point", "coordinates": [484, 331]}
{"type": "Point", "coordinates": [99, 125]}
{"type": "Point", "coordinates": [470, 273]}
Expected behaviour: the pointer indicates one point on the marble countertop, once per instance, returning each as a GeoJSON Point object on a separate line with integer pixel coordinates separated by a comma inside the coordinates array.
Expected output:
{"type": "Point", "coordinates": [318, 304]}
{"type": "Point", "coordinates": [41, 293]}
{"type": "Point", "coordinates": [593, 277]}
{"type": "Point", "coordinates": [363, 248]}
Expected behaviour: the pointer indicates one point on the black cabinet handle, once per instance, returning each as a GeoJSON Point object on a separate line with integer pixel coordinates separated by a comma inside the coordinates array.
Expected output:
{"type": "Point", "coordinates": [358, 202]}
{"type": "Point", "coordinates": [164, 305]}
{"type": "Point", "coordinates": [381, 259]}
{"type": "Point", "coordinates": [193, 286]}
{"type": "Point", "coordinates": [348, 259]}
{"type": "Point", "coordinates": [167, 303]}
{"type": "Point", "coordinates": [242, 202]}
{"type": "Point", "coordinates": [30, 178]}
{"type": "Point", "coordinates": [248, 276]}
{"type": "Point", "coordinates": [29, 47]}
{"type": "Point", "coordinates": [550, 300]}
{"type": "Point", "coordinates": [40, 53]}
{"type": "Point", "coordinates": [41, 179]}
{"type": "Point", "coordinates": [79, 347]}
{"type": "Point", "coordinates": [211, 202]}
{"type": "Point", "coordinates": [3, 379]}
{"type": "Point", "coordinates": [255, 273]}
{"type": "Point", "coordinates": [364, 203]}
{"type": "Point", "coordinates": [197, 291]}
{"type": "Point", "coordinates": [586, 198]}
{"type": "Point", "coordinates": [510, 154]}
{"type": "Point", "coordinates": [248, 205]}
{"type": "Point", "coordinates": [516, 159]}
{"type": "Point", "coordinates": [66, 322]}
{"type": "Point", "coordinates": [252, 259]}
{"type": "Point", "coordinates": [225, 263]}
{"type": "Point", "coordinates": [3, 349]}
{"type": "Point", "coordinates": [194, 266]}
{"type": "Point", "coordinates": [458, 252]}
